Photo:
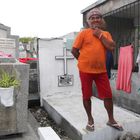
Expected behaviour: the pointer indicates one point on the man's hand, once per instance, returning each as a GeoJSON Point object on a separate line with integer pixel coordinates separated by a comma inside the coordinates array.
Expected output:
{"type": "Point", "coordinates": [108, 44]}
{"type": "Point", "coordinates": [97, 32]}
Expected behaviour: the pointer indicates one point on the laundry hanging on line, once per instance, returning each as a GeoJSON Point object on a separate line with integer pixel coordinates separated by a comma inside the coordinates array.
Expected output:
{"type": "Point", "coordinates": [109, 62]}
{"type": "Point", "coordinates": [125, 66]}
{"type": "Point", "coordinates": [138, 62]}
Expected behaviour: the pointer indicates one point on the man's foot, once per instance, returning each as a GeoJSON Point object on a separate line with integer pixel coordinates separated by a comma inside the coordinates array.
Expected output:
{"type": "Point", "coordinates": [115, 125]}
{"type": "Point", "coordinates": [90, 127]}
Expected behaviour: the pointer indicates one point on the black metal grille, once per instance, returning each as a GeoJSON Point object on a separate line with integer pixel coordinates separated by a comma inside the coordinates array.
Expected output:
{"type": "Point", "coordinates": [124, 25]}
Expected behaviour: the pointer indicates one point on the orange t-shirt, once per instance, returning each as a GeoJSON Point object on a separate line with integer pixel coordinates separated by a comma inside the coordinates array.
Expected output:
{"type": "Point", "coordinates": [92, 57]}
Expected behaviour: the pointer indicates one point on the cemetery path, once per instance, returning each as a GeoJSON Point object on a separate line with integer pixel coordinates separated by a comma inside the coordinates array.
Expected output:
{"type": "Point", "coordinates": [45, 121]}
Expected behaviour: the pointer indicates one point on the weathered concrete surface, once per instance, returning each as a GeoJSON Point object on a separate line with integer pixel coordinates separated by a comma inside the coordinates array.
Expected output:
{"type": "Point", "coordinates": [30, 134]}
{"type": "Point", "coordinates": [7, 119]}
{"type": "Point", "coordinates": [130, 101]}
{"type": "Point", "coordinates": [68, 112]}
{"type": "Point", "coordinates": [14, 119]}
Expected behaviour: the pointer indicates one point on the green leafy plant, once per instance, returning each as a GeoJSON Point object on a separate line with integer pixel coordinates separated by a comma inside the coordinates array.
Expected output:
{"type": "Point", "coordinates": [7, 80]}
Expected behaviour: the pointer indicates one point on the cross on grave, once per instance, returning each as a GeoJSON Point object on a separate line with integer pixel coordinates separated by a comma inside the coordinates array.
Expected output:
{"type": "Point", "coordinates": [65, 57]}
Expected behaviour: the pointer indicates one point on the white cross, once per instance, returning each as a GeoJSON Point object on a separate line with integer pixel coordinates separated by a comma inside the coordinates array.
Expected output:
{"type": "Point", "coordinates": [65, 57]}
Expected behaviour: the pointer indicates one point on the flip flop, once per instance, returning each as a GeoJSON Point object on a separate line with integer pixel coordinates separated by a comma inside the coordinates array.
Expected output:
{"type": "Point", "coordinates": [115, 125]}
{"type": "Point", "coordinates": [90, 127]}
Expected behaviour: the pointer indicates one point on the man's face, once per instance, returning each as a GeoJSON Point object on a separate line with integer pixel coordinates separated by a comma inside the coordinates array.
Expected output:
{"type": "Point", "coordinates": [95, 21]}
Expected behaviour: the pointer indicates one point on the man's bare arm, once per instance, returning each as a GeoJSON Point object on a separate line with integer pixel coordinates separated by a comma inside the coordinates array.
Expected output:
{"type": "Point", "coordinates": [75, 52]}
{"type": "Point", "coordinates": [108, 44]}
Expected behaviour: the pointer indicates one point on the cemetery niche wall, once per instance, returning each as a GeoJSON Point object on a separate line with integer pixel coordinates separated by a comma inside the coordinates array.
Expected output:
{"type": "Point", "coordinates": [58, 68]}
{"type": "Point", "coordinates": [9, 44]}
{"type": "Point", "coordinates": [13, 118]}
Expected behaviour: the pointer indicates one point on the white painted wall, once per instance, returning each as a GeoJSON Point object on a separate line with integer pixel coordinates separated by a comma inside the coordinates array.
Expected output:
{"type": "Point", "coordinates": [3, 33]}
{"type": "Point", "coordinates": [51, 68]}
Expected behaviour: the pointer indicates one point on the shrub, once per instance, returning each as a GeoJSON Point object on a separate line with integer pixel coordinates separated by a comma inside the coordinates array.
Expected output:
{"type": "Point", "coordinates": [7, 80]}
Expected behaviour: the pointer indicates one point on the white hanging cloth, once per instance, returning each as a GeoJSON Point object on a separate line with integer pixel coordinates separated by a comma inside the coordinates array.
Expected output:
{"type": "Point", "coordinates": [138, 61]}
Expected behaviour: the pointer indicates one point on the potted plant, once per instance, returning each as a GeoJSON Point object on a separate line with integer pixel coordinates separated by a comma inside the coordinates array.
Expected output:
{"type": "Point", "coordinates": [7, 84]}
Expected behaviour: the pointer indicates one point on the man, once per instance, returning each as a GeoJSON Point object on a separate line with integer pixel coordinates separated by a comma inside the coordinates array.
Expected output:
{"type": "Point", "coordinates": [89, 49]}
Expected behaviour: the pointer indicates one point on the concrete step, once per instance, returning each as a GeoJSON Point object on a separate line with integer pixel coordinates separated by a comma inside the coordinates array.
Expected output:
{"type": "Point", "coordinates": [67, 111]}
{"type": "Point", "coordinates": [47, 133]}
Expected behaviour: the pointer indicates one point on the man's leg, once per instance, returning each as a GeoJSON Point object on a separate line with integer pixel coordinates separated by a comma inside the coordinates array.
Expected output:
{"type": "Point", "coordinates": [87, 106]}
{"type": "Point", "coordinates": [104, 92]}
{"type": "Point", "coordinates": [86, 83]}
{"type": "Point", "coordinates": [108, 103]}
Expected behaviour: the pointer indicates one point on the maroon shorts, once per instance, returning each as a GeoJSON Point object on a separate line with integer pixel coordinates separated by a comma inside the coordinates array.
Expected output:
{"type": "Point", "coordinates": [102, 83]}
